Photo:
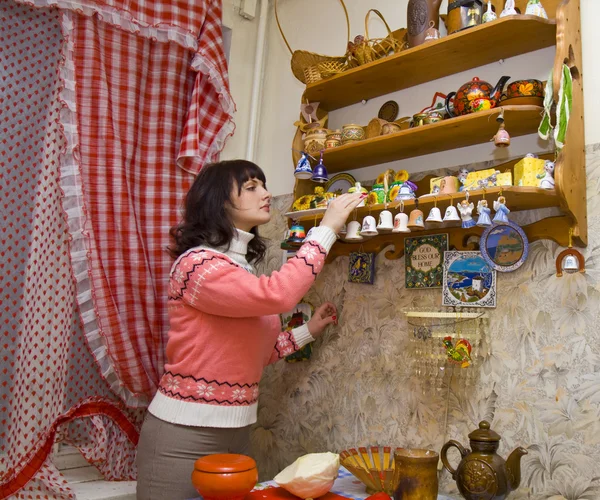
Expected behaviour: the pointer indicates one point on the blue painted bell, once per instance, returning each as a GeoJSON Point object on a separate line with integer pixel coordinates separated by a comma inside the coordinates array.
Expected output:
{"type": "Point", "coordinates": [303, 170]}
{"type": "Point", "coordinates": [296, 234]}
{"type": "Point", "coordinates": [320, 172]}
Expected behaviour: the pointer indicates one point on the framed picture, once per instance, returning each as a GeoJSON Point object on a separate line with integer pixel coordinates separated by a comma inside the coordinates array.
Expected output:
{"type": "Point", "coordinates": [424, 260]}
{"type": "Point", "coordinates": [504, 246]}
{"type": "Point", "coordinates": [299, 316]}
{"type": "Point", "coordinates": [361, 268]}
{"type": "Point", "coordinates": [469, 281]}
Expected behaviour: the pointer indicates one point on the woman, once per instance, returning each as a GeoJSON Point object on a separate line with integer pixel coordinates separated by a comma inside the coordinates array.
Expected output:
{"type": "Point", "coordinates": [224, 324]}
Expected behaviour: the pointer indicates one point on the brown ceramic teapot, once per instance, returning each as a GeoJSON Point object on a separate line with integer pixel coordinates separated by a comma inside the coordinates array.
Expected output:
{"type": "Point", "coordinates": [420, 14]}
{"type": "Point", "coordinates": [475, 89]}
{"type": "Point", "coordinates": [482, 474]}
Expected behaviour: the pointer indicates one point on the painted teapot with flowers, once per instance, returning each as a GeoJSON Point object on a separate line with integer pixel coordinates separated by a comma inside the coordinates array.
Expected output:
{"type": "Point", "coordinates": [474, 96]}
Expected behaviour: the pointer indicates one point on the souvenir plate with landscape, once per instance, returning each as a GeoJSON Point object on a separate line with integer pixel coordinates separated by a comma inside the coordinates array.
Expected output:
{"type": "Point", "coordinates": [469, 280]}
{"type": "Point", "coordinates": [504, 246]}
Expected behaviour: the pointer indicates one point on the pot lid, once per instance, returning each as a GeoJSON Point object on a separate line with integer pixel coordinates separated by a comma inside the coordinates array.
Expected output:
{"type": "Point", "coordinates": [224, 462]}
{"type": "Point", "coordinates": [484, 433]}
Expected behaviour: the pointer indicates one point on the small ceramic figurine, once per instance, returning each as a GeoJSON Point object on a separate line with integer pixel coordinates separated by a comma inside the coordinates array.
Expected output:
{"type": "Point", "coordinates": [535, 8]}
{"type": "Point", "coordinates": [501, 210]}
{"type": "Point", "coordinates": [460, 353]}
{"type": "Point", "coordinates": [462, 177]}
{"type": "Point", "coordinates": [357, 188]}
{"type": "Point", "coordinates": [509, 9]}
{"type": "Point", "coordinates": [489, 14]}
{"type": "Point", "coordinates": [466, 209]}
{"type": "Point", "coordinates": [547, 178]}
{"type": "Point", "coordinates": [484, 214]}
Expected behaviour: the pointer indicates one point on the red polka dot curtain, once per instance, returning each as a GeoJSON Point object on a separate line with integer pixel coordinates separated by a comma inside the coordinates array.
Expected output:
{"type": "Point", "coordinates": [106, 113]}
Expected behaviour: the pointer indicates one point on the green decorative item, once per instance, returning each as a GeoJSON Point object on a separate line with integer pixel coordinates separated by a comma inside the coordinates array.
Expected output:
{"type": "Point", "coordinates": [563, 109]}
{"type": "Point", "coordinates": [361, 268]}
{"type": "Point", "coordinates": [424, 258]}
{"type": "Point", "coordinates": [379, 190]}
{"type": "Point", "coordinates": [299, 316]}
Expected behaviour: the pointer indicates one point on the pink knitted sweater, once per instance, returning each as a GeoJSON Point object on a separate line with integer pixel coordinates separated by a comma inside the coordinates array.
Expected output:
{"type": "Point", "coordinates": [225, 328]}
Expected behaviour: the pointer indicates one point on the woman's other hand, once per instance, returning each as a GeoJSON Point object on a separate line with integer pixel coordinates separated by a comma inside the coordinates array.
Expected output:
{"type": "Point", "coordinates": [323, 316]}
{"type": "Point", "coordinates": [339, 210]}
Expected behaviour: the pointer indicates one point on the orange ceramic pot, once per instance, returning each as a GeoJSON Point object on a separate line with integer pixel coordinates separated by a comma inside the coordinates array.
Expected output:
{"type": "Point", "coordinates": [225, 476]}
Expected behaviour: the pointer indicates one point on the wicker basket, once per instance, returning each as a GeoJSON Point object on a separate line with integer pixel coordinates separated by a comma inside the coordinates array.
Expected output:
{"type": "Point", "coordinates": [364, 50]}
{"type": "Point", "coordinates": [310, 67]}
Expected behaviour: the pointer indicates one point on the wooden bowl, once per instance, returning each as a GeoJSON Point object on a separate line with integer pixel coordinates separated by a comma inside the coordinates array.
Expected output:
{"type": "Point", "coordinates": [373, 466]}
{"type": "Point", "coordinates": [224, 476]}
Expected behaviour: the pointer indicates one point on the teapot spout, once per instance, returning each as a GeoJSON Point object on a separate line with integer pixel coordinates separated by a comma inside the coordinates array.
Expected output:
{"type": "Point", "coordinates": [513, 466]}
{"type": "Point", "coordinates": [497, 92]}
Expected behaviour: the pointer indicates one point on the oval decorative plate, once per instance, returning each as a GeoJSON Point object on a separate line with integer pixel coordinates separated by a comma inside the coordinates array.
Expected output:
{"type": "Point", "coordinates": [340, 183]}
{"type": "Point", "coordinates": [504, 246]}
{"type": "Point", "coordinates": [389, 111]}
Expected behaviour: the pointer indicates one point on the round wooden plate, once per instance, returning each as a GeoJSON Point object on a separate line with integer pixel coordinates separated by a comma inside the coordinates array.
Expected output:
{"type": "Point", "coordinates": [389, 111]}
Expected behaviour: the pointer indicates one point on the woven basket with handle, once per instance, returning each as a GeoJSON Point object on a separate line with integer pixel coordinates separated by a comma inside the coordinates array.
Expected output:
{"type": "Point", "coordinates": [364, 50]}
{"type": "Point", "coordinates": [310, 67]}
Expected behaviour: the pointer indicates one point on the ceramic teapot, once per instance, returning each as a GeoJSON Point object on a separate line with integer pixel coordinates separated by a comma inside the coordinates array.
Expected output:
{"type": "Point", "coordinates": [420, 15]}
{"type": "Point", "coordinates": [475, 89]}
{"type": "Point", "coordinates": [482, 474]}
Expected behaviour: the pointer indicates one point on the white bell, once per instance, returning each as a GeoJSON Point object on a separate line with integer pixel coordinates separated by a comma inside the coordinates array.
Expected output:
{"type": "Point", "coordinates": [451, 215]}
{"type": "Point", "coordinates": [435, 216]}
{"type": "Point", "coordinates": [386, 222]}
{"type": "Point", "coordinates": [401, 223]}
{"type": "Point", "coordinates": [353, 231]}
{"type": "Point", "coordinates": [570, 264]}
{"type": "Point", "coordinates": [368, 226]}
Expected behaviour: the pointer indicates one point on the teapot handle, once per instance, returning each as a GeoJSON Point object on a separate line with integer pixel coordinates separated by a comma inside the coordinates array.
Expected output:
{"type": "Point", "coordinates": [445, 448]}
{"type": "Point", "coordinates": [447, 104]}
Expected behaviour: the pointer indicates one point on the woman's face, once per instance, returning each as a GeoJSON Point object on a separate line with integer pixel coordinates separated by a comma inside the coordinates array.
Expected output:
{"type": "Point", "coordinates": [251, 207]}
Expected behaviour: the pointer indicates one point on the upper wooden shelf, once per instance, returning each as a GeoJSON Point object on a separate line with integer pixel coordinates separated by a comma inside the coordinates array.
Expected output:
{"type": "Point", "coordinates": [484, 44]}
{"type": "Point", "coordinates": [475, 128]}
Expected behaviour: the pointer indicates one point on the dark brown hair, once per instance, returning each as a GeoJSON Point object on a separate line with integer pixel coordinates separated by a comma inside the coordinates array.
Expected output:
{"type": "Point", "coordinates": [205, 220]}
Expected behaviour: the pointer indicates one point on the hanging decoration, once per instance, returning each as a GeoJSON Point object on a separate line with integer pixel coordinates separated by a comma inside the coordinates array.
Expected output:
{"type": "Point", "coordinates": [361, 267]}
{"type": "Point", "coordinates": [468, 280]}
{"type": "Point", "coordinates": [570, 260]}
{"type": "Point", "coordinates": [504, 246]}
{"type": "Point", "coordinates": [424, 260]}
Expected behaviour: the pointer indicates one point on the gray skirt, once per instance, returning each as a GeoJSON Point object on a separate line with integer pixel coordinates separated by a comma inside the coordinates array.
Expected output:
{"type": "Point", "coordinates": [166, 454]}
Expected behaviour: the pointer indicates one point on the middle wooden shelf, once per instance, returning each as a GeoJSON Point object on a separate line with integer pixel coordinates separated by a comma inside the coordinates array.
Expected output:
{"type": "Point", "coordinates": [462, 131]}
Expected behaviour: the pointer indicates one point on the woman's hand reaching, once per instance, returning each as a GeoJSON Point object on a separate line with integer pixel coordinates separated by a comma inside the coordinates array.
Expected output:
{"type": "Point", "coordinates": [339, 210]}
{"type": "Point", "coordinates": [323, 316]}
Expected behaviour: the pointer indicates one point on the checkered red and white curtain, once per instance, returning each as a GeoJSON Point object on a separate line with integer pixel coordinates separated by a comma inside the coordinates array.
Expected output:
{"type": "Point", "coordinates": [106, 111]}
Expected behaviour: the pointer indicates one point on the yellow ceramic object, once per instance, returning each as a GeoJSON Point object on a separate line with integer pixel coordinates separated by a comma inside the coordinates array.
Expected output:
{"type": "Point", "coordinates": [372, 199]}
{"type": "Point", "coordinates": [401, 176]}
{"type": "Point", "coordinates": [390, 176]}
{"type": "Point", "coordinates": [527, 170]}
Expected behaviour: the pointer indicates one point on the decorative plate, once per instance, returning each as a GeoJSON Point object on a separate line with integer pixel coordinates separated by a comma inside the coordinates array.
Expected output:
{"type": "Point", "coordinates": [504, 246]}
{"type": "Point", "coordinates": [305, 214]}
{"type": "Point", "coordinates": [340, 183]}
{"type": "Point", "coordinates": [389, 111]}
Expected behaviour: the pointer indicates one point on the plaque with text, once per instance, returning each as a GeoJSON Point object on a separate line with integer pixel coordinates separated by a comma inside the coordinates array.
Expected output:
{"type": "Point", "coordinates": [424, 257]}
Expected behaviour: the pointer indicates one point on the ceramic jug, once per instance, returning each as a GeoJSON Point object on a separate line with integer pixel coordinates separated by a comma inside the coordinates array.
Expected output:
{"type": "Point", "coordinates": [419, 16]}
{"type": "Point", "coordinates": [482, 474]}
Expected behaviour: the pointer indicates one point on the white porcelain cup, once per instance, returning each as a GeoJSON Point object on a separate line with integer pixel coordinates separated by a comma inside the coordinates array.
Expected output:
{"type": "Point", "coordinates": [386, 221]}
{"type": "Point", "coordinates": [451, 214]}
{"type": "Point", "coordinates": [353, 231]}
{"type": "Point", "coordinates": [435, 216]}
{"type": "Point", "coordinates": [368, 226]}
{"type": "Point", "coordinates": [401, 223]}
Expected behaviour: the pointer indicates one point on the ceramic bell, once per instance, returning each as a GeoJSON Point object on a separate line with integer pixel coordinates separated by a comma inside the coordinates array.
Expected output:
{"type": "Point", "coordinates": [303, 169]}
{"type": "Point", "coordinates": [401, 223]}
{"type": "Point", "coordinates": [320, 172]}
{"type": "Point", "coordinates": [570, 260]}
{"type": "Point", "coordinates": [353, 231]}
{"type": "Point", "coordinates": [357, 188]}
{"type": "Point", "coordinates": [489, 14]}
{"type": "Point", "coordinates": [451, 214]}
{"type": "Point", "coordinates": [415, 221]}
{"type": "Point", "coordinates": [386, 222]}
{"type": "Point", "coordinates": [502, 137]}
{"type": "Point", "coordinates": [407, 191]}
{"type": "Point", "coordinates": [434, 217]}
{"type": "Point", "coordinates": [535, 8]}
{"type": "Point", "coordinates": [509, 9]}
{"type": "Point", "coordinates": [547, 178]}
{"type": "Point", "coordinates": [368, 226]}
{"type": "Point", "coordinates": [431, 33]}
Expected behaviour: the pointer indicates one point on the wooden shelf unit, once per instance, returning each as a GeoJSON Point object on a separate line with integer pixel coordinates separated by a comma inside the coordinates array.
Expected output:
{"type": "Point", "coordinates": [484, 44]}
{"type": "Point", "coordinates": [453, 133]}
